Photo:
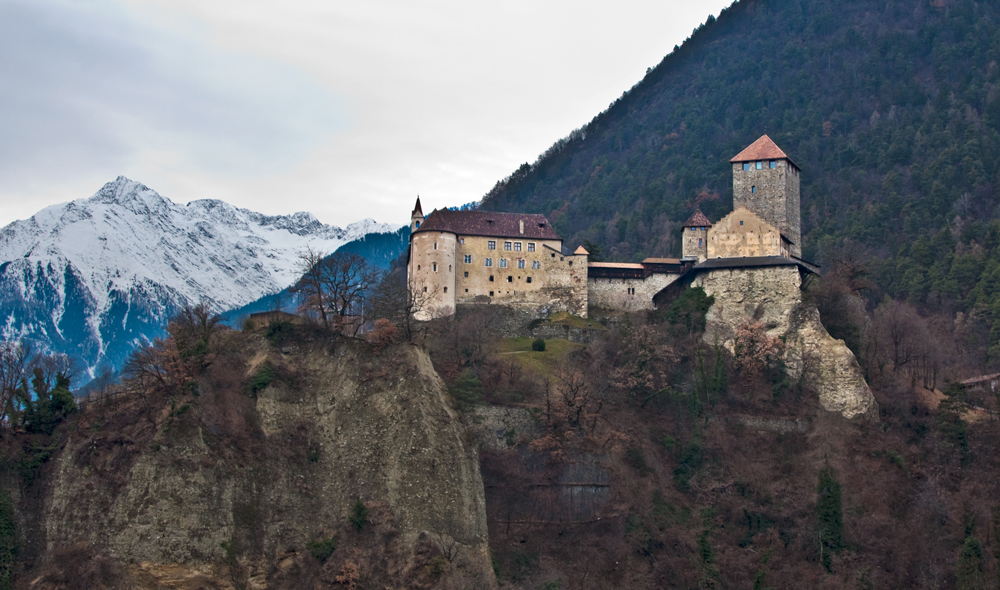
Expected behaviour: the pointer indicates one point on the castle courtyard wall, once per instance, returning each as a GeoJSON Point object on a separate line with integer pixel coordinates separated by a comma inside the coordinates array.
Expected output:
{"type": "Point", "coordinates": [609, 293]}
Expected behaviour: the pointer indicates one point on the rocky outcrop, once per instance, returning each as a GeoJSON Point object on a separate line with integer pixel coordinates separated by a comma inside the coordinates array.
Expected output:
{"type": "Point", "coordinates": [773, 296]}
{"type": "Point", "coordinates": [230, 494]}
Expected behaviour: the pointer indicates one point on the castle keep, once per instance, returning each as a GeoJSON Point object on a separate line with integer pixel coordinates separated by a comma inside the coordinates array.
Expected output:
{"type": "Point", "coordinates": [515, 259]}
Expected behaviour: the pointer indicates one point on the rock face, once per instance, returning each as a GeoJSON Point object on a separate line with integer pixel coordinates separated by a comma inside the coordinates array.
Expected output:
{"type": "Point", "coordinates": [773, 296]}
{"type": "Point", "coordinates": [202, 506]}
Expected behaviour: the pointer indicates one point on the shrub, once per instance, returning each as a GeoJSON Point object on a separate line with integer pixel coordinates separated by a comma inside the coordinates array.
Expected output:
{"type": "Point", "coordinates": [383, 334]}
{"type": "Point", "coordinates": [538, 345]}
{"type": "Point", "coordinates": [249, 325]}
{"type": "Point", "coordinates": [359, 517]}
{"type": "Point", "coordinates": [278, 333]}
{"type": "Point", "coordinates": [466, 390]}
{"type": "Point", "coordinates": [687, 313]}
{"type": "Point", "coordinates": [689, 463]}
{"type": "Point", "coordinates": [322, 548]}
{"type": "Point", "coordinates": [263, 377]}
{"type": "Point", "coordinates": [636, 457]}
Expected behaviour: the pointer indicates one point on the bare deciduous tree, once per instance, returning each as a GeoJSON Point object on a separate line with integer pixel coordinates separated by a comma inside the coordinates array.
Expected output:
{"type": "Point", "coordinates": [14, 365]}
{"type": "Point", "coordinates": [335, 287]}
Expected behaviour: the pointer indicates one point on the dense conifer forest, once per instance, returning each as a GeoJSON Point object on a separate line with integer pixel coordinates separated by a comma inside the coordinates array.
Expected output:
{"type": "Point", "coordinates": [890, 108]}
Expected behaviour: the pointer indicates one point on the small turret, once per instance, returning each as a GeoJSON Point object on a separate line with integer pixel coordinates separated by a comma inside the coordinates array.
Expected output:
{"type": "Point", "coordinates": [417, 217]}
{"type": "Point", "coordinates": [694, 241]}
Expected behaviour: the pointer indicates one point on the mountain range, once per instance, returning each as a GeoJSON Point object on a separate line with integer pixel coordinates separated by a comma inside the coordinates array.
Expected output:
{"type": "Point", "coordinates": [95, 277]}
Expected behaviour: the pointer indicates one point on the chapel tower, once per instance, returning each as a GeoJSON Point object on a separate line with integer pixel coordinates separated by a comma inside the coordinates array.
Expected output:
{"type": "Point", "coordinates": [766, 181]}
{"type": "Point", "coordinates": [417, 217]}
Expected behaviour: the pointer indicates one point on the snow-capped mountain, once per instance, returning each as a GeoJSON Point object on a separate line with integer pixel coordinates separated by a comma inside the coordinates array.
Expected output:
{"type": "Point", "coordinates": [95, 277]}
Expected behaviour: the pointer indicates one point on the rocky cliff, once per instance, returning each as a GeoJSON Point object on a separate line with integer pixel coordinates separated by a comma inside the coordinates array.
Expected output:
{"type": "Point", "coordinates": [773, 296]}
{"type": "Point", "coordinates": [345, 467]}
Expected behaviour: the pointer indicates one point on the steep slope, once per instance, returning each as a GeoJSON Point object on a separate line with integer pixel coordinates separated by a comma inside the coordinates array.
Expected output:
{"type": "Point", "coordinates": [891, 109]}
{"type": "Point", "coordinates": [94, 277]}
{"type": "Point", "coordinates": [233, 490]}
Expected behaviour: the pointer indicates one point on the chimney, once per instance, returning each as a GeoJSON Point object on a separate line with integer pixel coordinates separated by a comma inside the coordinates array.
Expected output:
{"type": "Point", "coordinates": [522, 226]}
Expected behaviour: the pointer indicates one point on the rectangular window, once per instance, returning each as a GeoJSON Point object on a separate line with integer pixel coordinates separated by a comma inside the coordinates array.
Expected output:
{"type": "Point", "coordinates": [529, 279]}
{"type": "Point", "coordinates": [741, 223]}
{"type": "Point", "coordinates": [491, 278]}
{"type": "Point", "coordinates": [774, 164]}
{"type": "Point", "coordinates": [435, 267]}
{"type": "Point", "coordinates": [503, 263]}
{"type": "Point", "coordinates": [746, 165]}
{"type": "Point", "coordinates": [492, 245]}
{"type": "Point", "coordinates": [461, 240]}
{"type": "Point", "coordinates": [699, 243]}
{"type": "Point", "coordinates": [760, 165]}
{"type": "Point", "coordinates": [506, 245]}
{"type": "Point", "coordinates": [531, 246]}
{"type": "Point", "coordinates": [435, 245]}
{"type": "Point", "coordinates": [466, 274]}
{"type": "Point", "coordinates": [517, 246]}
{"type": "Point", "coordinates": [510, 279]}
{"type": "Point", "coordinates": [468, 258]}
{"type": "Point", "coordinates": [520, 263]}
{"type": "Point", "coordinates": [491, 293]}
{"type": "Point", "coordinates": [446, 289]}
{"type": "Point", "coordinates": [536, 264]}
{"type": "Point", "coordinates": [489, 262]}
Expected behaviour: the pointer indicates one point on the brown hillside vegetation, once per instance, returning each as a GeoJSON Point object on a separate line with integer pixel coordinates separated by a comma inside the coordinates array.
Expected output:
{"type": "Point", "coordinates": [660, 461]}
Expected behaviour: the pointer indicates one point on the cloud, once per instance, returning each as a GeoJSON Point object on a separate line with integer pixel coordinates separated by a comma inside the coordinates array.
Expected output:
{"type": "Point", "coordinates": [89, 86]}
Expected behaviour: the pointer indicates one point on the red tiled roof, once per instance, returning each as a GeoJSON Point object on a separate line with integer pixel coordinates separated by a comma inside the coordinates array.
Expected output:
{"type": "Point", "coordinates": [698, 220]}
{"type": "Point", "coordinates": [489, 223]}
{"type": "Point", "coordinates": [762, 149]}
{"type": "Point", "coordinates": [581, 250]}
{"type": "Point", "coordinates": [662, 261]}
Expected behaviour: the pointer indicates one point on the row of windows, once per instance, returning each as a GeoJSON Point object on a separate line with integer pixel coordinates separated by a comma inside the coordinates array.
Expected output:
{"type": "Point", "coordinates": [503, 262]}
{"type": "Point", "coordinates": [760, 165]}
{"type": "Point", "coordinates": [516, 246]}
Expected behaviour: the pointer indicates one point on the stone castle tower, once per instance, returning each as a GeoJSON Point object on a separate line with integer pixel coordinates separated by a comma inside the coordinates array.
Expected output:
{"type": "Point", "coordinates": [694, 240]}
{"type": "Point", "coordinates": [766, 181]}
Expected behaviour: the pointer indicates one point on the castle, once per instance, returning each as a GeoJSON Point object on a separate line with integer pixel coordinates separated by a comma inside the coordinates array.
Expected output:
{"type": "Point", "coordinates": [514, 259]}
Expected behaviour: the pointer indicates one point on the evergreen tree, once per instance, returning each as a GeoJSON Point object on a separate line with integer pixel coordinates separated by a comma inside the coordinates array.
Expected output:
{"type": "Point", "coordinates": [829, 517]}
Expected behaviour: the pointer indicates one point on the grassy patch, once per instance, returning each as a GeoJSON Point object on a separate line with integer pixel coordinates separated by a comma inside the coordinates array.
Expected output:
{"type": "Point", "coordinates": [541, 362]}
{"type": "Point", "coordinates": [564, 318]}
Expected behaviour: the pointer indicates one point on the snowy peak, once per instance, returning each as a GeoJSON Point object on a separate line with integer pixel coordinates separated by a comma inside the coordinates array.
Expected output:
{"type": "Point", "coordinates": [117, 264]}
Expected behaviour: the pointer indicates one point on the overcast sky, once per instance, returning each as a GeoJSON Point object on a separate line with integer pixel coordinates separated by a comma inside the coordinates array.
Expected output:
{"type": "Point", "coordinates": [344, 109]}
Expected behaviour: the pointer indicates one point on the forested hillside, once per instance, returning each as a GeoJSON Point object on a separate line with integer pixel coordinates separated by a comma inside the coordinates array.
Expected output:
{"type": "Point", "coordinates": [890, 108]}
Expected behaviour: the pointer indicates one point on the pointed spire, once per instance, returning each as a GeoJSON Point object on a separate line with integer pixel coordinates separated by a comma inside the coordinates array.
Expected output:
{"type": "Point", "coordinates": [698, 219]}
{"type": "Point", "coordinates": [417, 210]}
{"type": "Point", "coordinates": [762, 149]}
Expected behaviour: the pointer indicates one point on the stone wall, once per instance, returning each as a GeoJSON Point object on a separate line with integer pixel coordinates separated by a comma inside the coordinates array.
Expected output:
{"type": "Point", "coordinates": [741, 234]}
{"type": "Point", "coordinates": [776, 198]}
{"type": "Point", "coordinates": [773, 296]}
{"type": "Point", "coordinates": [614, 293]}
{"type": "Point", "coordinates": [694, 243]}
